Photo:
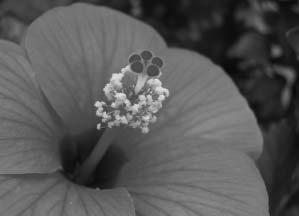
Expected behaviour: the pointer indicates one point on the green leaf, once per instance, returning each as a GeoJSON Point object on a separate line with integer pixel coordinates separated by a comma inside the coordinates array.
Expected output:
{"type": "Point", "coordinates": [185, 179]}
{"type": "Point", "coordinates": [277, 159]}
{"type": "Point", "coordinates": [251, 46]}
{"type": "Point", "coordinates": [74, 51]}
{"type": "Point", "coordinates": [203, 103]}
{"type": "Point", "coordinates": [28, 134]}
{"type": "Point", "coordinates": [53, 195]}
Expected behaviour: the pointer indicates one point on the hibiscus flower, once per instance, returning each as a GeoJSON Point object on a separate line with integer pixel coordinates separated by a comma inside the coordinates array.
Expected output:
{"type": "Point", "coordinates": [196, 159]}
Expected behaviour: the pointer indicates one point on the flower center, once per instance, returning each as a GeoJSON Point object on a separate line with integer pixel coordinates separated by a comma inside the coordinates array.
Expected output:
{"type": "Point", "coordinates": [133, 97]}
{"type": "Point", "coordinates": [76, 149]}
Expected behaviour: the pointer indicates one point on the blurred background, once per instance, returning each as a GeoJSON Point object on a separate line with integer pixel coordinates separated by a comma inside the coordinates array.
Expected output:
{"type": "Point", "coordinates": [255, 41]}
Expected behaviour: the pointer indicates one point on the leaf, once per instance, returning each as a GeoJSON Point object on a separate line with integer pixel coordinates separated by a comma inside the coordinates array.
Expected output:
{"type": "Point", "coordinates": [251, 46]}
{"type": "Point", "coordinates": [28, 134]}
{"type": "Point", "coordinates": [12, 29]}
{"type": "Point", "coordinates": [265, 95]}
{"type": "Point", "coordinates": [203, 103]}
{"type": "Point", "coordinates": [293, 38]}
{"type": "Point", "coordinates": [277, 163]}
{"type": "Point", "coordinates": [74, 51]}
{"type": "Point", "coordinates": [194, 178]}
{"type": "Point", "coordinates": [53, 195]}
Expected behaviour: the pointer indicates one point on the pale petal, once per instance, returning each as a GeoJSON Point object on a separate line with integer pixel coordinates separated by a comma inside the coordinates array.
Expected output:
{"type": "Point", "coordinates": [29, 135]}
{"type": "Point", "coordinates": [187, 180]}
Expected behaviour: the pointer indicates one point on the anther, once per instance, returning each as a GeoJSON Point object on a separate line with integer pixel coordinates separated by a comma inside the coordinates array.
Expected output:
{"type": "Point", "coordinates": [152, 71]}
{"type": "Point", "coordinates": [137, 67]}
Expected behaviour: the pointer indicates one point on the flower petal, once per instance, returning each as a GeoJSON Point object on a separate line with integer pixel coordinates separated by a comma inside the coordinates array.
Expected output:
{"type": "Point", "coordinates": [28, 134]}
{"type": "Point", "coordinates": [76, 49]}
{"type": "Point", "coordinates": [53, 195]}
{"type": "Point", "coordinates": [203, 103]}
{"type": "Point", "coordinates": [184, 179]}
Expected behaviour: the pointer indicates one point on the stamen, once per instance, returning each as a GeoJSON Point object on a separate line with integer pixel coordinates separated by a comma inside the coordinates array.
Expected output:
{"type": "Point", "coordinates": [133, 98]}
{"type": "Point", "coordinates": [135, 95]}
{"type": "Point", "coordinates": [140, 83]}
